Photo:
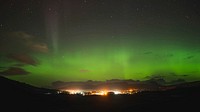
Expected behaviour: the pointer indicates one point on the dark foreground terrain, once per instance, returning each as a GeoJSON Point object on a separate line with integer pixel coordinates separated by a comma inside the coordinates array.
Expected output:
{"type": "Point", "coordinates": [20, 97]}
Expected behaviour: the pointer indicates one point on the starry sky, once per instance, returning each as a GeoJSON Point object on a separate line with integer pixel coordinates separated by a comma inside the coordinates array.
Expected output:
{"type": "Point", "coordinates": [43, 41]}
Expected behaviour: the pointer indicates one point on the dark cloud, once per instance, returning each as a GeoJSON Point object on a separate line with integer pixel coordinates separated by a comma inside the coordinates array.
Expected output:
{"type": "Point", "coordinates": [155, 76]}
{"type": "Point", "coordinates": [109, 84]}
{"type": "Point", "coordinates": [157, 80]}
{"type": "Point", "coordinates": [1, 68]}
{"type": "Point", "coordinates": [167, 78]}
{"type": "Point", "coordinates": [40, 47]}
{"type": "Point", "coordinates": [17, 47]}
{"type": "Point", "coordinates": [23, 58]}
{"type": "Point", "coordinates": [178, 81]}
{"type": "Point", "coordinates": [19, 65]}
{"type": "Point", "coordinates": [169, 55]}
{"type": "Point", "coordinates": [13, 42]}
{"type": "Point", "coordinates": [148, 52]}
{"type": "Point", "coordinates": [83, 71]}
{"type": "Point", "coordinates": [14, 71]}
{"type": "Point", "coordinates": [189, 57]}
{"type": "Point", "coordinates": [161, 75]}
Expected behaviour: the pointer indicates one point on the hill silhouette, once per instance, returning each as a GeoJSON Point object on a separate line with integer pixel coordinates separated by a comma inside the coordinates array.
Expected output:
{"type": "Point", "coordinates": [17, 96]}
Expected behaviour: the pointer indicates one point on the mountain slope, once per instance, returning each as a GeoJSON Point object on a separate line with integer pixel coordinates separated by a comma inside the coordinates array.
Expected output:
{"type": "Point", "coordinates": [16, 96]}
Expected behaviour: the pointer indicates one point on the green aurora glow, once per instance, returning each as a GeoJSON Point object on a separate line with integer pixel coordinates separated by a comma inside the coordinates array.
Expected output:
{"type": "Point", "coordinates": [123, 59]}
{"type": "Point", "coordinates": [100, 40]}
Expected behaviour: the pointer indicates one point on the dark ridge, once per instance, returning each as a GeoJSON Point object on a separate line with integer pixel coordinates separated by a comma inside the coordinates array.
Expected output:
{"type": "Point", "coordinates": [17, 96]}
{"type": "Point", "coordinates": [10, 86]}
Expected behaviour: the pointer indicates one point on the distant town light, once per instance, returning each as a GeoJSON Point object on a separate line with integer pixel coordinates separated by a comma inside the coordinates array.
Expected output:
{"type": "Point", "coordinates": [117, 92]}
{"type": "Point", "coordinates": [98, 92]}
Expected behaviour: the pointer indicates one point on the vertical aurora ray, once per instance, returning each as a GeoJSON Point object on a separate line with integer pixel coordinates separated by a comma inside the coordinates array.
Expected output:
{"type": "Point", "coordinates": [116, 62]}
{"type": "Point", "coordinates": [101, 40]}
{"type": "Point", "coordinates": [52, 25]}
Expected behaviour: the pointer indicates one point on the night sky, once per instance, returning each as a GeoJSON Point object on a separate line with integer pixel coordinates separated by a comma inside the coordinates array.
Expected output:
{"type": "Point", "coordinates": [43, 41]}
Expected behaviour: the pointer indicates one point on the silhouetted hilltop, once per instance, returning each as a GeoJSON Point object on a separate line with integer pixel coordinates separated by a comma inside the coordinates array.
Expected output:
{"type": "Point", "coordinates": [8, 86]}
{"type": "Point", "coordinates": [17, 96]}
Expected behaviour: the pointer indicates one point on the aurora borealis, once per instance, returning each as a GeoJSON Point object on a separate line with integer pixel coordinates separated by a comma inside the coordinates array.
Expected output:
{"type": "Point", "coordinates": [68, 40]}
